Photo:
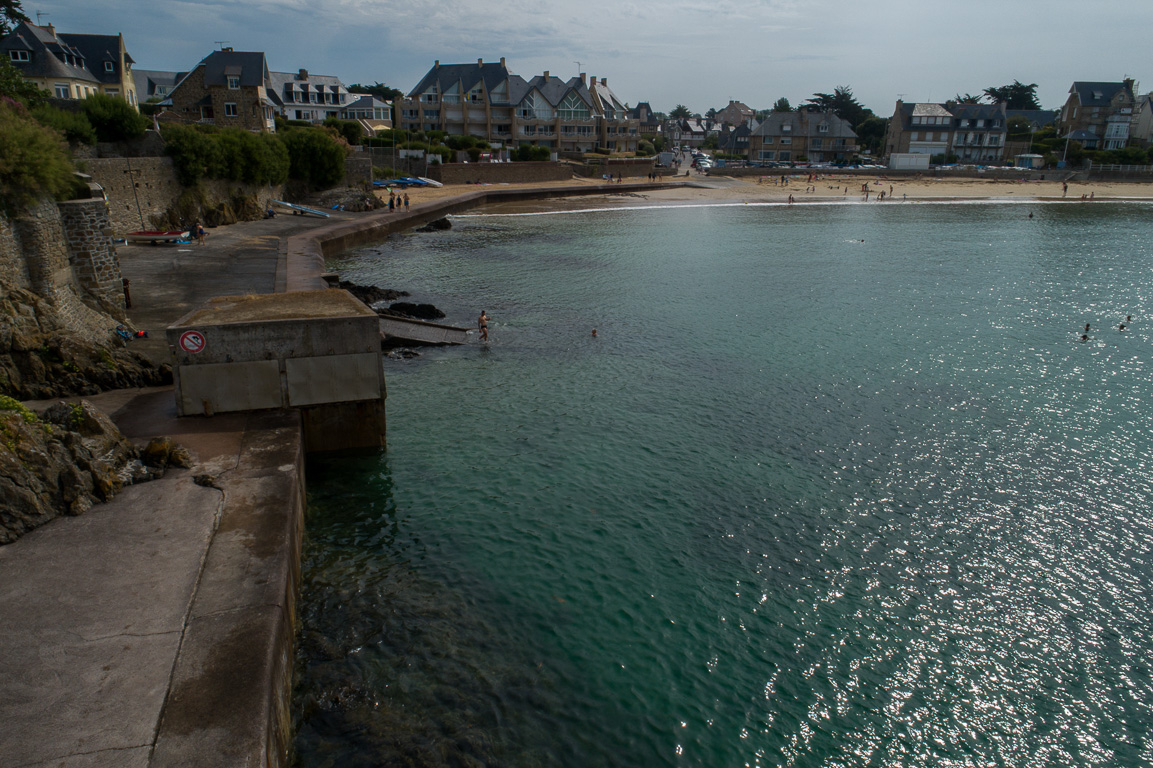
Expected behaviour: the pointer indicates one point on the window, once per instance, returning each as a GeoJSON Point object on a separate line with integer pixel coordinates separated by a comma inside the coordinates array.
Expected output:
{"type": "Point", "coordinates": [63, 91]}
{"type": "Point", "coordinates": [786, 139]}
{"type": "Point", "coordinates": [768, 140]}
{"type": "Point", "coordinates": [109, 66]}
{"type": "Point", "coordinates": [785, 156]}
{"type": "Point", "coordinates": [20, 55]}
{"type": "Point", "coordinates": [230, 109]}
{"type": "Point", "coordinates": [786, 128]}
{"type": "Point", "coordinates": [573, 108]}
{"type": "Point", "coordinates": [915, 136]}
{"type": "Point", "coordinates": [476, 95]}
{"type": "Point", "coordinates": [814, 143]}
{"type": "Point", "coordinates": [823, 128]}
{"type": "Point", "coordinates": [234, 82]}
{"type": "Point", "coordinates": [431, 114]}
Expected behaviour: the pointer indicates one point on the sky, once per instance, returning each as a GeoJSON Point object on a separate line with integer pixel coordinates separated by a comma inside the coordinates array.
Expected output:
{"type": "Point", "coordinates": [700, 54]}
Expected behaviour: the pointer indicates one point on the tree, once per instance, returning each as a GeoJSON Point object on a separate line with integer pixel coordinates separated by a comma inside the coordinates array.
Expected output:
{"type": "Point", "coordinates": [34, 160]}
{"type": "Point", "coordinates": [15, 86]}
{"type": "Point", "coordinates": [11, 14]}
{"type": "Point", "coordinates": [711, 115]}
{"type": "Point", "coordinates": [968, 98]}
{"type": "Point", "coordinates": [379, 90]}
{"type": "Point", "coordinates": [871, 133]}
{"type": "Point", "coordinates": [113, 118]}
{"type": "Point", "coordinates": [842, 103]}
{"type": "Point", "coordinates": [782, 105]}
{"type": "Point", "coordinates": [680, 111]}
{"type": "Point", "coordinates": [1015, 96]}
{"type": "Point", "coordinates": [314, 156]}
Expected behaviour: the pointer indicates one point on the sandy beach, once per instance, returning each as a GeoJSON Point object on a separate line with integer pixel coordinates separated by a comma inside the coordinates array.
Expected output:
{"type": "Point", "coordinates": [827, 188]}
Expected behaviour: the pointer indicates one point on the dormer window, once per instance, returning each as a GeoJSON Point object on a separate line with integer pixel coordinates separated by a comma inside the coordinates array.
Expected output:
{"type": "Point", "coordinates": [234, 82]}
{"type": "Point", "coordinates": [823, 128]}
{"type": "Point", "coordinates": [1098, 95]}
{"type": "Point", "coordinates": [109, 66]}
{"type": "Point", "coordinates": [19, 55]}
{"type": "Point", "coordinates": [786, 128]}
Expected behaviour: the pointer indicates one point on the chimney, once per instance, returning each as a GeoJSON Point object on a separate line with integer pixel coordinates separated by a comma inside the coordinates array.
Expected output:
{"type": "Point", "coordinates": [480, 62]}
{"type": "Point", "coordinates": [303, 75]}
{"type": "Point", "coordinates": [502, 61]}
{"type": "Point", "coordinates": [546, 75]}
{"type": "Point", "coordinates": [51, 29]}
{"type": "Point", "coordinates": [592, 80]}
{"type": "Point", "coordinates": [583, 79]}
{"type": "Point", "coordinates": [605, 82]}
{"type": "Point", "coordinates": [436, 64]}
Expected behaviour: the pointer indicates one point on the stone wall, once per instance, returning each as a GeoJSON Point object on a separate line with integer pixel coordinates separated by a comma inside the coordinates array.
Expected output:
{"type": "Point", "coordinates": [37, 245]}
{"type": "Point", "coordinates": [499, 173]}
{"type": "Point", "coordinates": [13, 268]}
{"type": "Point", "coordinates": [139, 189]}
{"type": "Point", "coordinates": [88, 231]}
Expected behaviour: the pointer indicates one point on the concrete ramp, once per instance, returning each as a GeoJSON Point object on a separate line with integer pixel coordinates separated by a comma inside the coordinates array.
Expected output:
{"type": "Point", "coordinates": [421, 331]}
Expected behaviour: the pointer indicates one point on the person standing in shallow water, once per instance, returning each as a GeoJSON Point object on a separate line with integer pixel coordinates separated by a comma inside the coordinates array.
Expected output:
{"type": "Point", "coordinates": [482, 324]}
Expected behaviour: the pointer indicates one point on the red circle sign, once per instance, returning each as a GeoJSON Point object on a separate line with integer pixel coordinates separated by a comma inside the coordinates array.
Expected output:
{"type": "Point", "coordinates": [192, 342]}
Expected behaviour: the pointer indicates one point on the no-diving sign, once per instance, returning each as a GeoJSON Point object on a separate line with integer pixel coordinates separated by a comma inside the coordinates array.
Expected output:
{"type": "Point", "coordinates": [192, 342]}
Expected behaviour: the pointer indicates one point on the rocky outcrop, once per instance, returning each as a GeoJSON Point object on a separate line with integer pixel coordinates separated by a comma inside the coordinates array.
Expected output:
{"type": "Point", "coordinates": [40, 357]}
{"type": "Point", "coordinates": [417, 311]}
{"type": "Point", "coordinates": [63, 462]}
{"type": "Point", "coordinates": [371, 294]}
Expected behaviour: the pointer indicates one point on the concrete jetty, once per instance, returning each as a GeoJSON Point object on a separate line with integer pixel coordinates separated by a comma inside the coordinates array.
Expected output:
{"type": "Point", "coordinates": [156, 630]}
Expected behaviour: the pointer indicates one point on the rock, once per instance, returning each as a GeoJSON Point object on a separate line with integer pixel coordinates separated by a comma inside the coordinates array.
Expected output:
{"type": "Point", "coordinates": [60, 463]}
{"type": "Point", "coordinates": [436, 226]}
{"type": "Point", "coordinates": [418, 311]}
{"type": "Point", "coordinates": [371, 294]}
{"type": "Point", "coordinates": [39, 358]}
{"type": "Point", "coordinates": [162, 452]}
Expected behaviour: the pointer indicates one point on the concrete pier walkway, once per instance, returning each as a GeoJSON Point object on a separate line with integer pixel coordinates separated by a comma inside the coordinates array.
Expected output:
{"type": "Point", "coordinates": [156, 630]}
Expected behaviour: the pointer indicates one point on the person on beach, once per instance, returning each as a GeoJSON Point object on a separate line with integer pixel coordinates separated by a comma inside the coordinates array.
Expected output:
{"type": "Point", "coordinates": [200, 235]}
{"type": "Point", "coordinates": [391, 203]}
{"type": "Point", "coordinates": [406, 202]}
{"type": "Point", "coordinates": [482, 324]}
{"type": "Point", "coordinates": [1064, 188]}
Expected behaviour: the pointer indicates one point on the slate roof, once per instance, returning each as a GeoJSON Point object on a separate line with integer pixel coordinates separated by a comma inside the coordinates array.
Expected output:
{"type": "Point", "coordinates": [250, 66]}
{"type": "Point", "coordinates": [147, 81]}
{"type": "Point", "coordinates": [96, 50]}
{"type": "Point", "coordinates": [445, 75]}
{"type": "Point", "coordinates": [1037, 117]}
{"type": "Point", "coordinates": [1087, 92]}
{"type": "Point", "coordinates": [978, 112]}
{"type": "Point", "coordinates": [46, 52]}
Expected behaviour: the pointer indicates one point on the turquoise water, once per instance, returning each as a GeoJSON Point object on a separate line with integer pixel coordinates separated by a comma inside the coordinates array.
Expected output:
{"type": "Point", "coordinates": [833, 486]}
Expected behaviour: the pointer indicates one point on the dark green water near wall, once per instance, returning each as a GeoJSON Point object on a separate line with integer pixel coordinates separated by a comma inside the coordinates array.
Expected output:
{"type": "Point", "coordinates": [833, 486]}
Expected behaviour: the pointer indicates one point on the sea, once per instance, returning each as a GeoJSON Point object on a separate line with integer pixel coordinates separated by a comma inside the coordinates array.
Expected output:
{"type": "Point", "coordinates": [832, 485]}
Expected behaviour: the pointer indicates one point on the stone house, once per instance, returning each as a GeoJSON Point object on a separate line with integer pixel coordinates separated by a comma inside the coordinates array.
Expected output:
{"type": "Point", "coordinates": [648, 124]}
{"type": "Point", "coordinates": [227, 88]}
{"type": "Point", "coordinates": [803, 135]}
{"type": "Point", "coordinates": [976, 133]}
{"type": "Point", "coordinates": [155, 83]}
{"type": "Point", "coordinates": [1102, 111]}
{"type": "Point", "coordinates": [1141, 130]}
{"type": "Point", "coordinates": [490, 102]}
{"type": "Point", "coordinates": [301, 96]}
{"type": "Point", "coordinates": [734, 115]}
{"type": "Point", "coordinates": [71, 66]}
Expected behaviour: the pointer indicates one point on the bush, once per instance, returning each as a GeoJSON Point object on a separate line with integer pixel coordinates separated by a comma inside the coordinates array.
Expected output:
{"type": "Point", "coordinates": [529, 153]}
{"type": "Point", "coordinates": [113, 118]}
{"type": "Point", "coordinates": [314, 157]}
{"type": "Point", "coordinates": [74, 125]}
{"type": "Point", "coordinates": [194, 153]}
{"type": "Point", "coordinates": [232, 154]}
{"type": "Point", "coordinates": [352, 131]}
{"type": "Point", "coordinates": [34, 160]}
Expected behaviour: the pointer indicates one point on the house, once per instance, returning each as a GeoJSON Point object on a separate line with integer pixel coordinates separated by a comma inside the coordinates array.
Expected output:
{"type": "Point", "coordinates": [686, 132]}
{"type": "Point", "coordinates": [155, 84]}
{"type": "Point", "coordinates": [314, 98]}
{"type": "Point", "coordinates": [490, 102]}
{"type": "Point", "coordinates": [71, 66]}
{"type": "Point", "coordinates": [1141, 129]}
{"type": "Point", "coordinates": [1102, 112]}
{"type": "Point", "coordinates": [803, 135]}
{"type": "Point", "coordinates": [369, 111]}
{"type": "Point", "coordinates": [735, 114]}
{"type": "Point", "coordinates": [975, 133]}
{"type": "Point", "coordinates": [227, 88]}
{"type": "Point", "coordinates": [643, 113]}
{"type": "Point", "coordinates": [735, 141]}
